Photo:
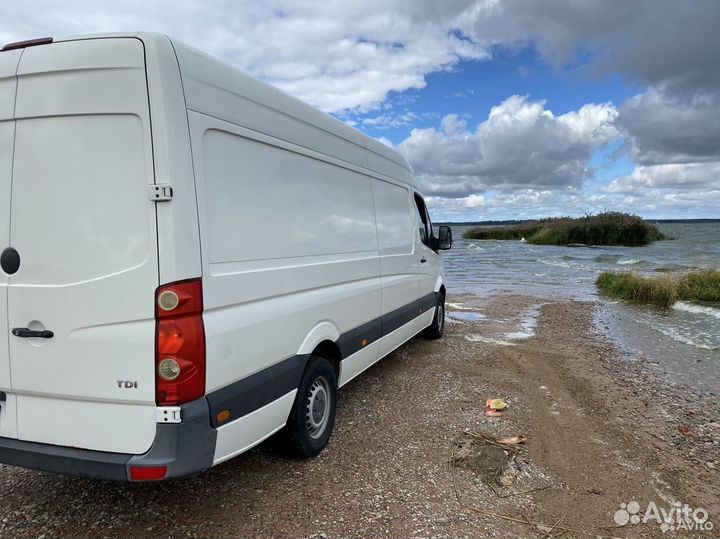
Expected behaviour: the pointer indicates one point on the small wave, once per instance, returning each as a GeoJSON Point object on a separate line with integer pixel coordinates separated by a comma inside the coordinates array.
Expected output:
{"type": "Point", "coordinates": [697, 309]}
{"type": "Point", "coordinates": [557, 264]}
{"type": "Point", "coordinates": [607, 258]}
{"type": "Point", "coordinates": [630, 262]}
{"type": "Point", "coordinates": [567, 264]}
{"type": "Point", "coordinates": [677, 336]}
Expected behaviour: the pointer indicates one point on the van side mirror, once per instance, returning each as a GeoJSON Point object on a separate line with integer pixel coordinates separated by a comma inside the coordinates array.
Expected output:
{"type": "Point", "coordinates": [444, 238]}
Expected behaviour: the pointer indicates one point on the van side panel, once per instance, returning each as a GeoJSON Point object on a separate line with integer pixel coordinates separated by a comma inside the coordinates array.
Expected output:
{"type": "Point", "coordinates": [86, 233]}
{"type": "Point", "coordinates": [289, 242]}
{"type": "Point", "coordinates": [297, 206]}
{"type": "Point", "coordinates": [397, 262]}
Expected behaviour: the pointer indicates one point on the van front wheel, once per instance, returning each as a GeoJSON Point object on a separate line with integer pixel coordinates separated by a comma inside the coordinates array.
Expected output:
{"type": "Point", "coordinates": [437, 328]}
{"type": "Point", "coordinates": [313, 413]}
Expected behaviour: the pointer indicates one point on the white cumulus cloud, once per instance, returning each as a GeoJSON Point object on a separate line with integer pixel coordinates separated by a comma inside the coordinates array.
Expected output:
{"type": "Point", "coordinates": [698, 176]}
{"type": "Point", "coordinates": [522, 144]}
{"type": "Point", "coordinates": [335, 54]}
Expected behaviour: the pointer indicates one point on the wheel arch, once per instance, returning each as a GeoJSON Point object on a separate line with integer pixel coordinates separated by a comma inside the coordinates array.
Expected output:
{"type": "Point", "coordinates": [329, 350]}
{"type": "Point", "coordinates": [322, 341]}
{"type": "Point", "coordinates": [323, 331]}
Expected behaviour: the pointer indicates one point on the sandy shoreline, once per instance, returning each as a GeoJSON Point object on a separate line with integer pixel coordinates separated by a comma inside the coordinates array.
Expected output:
{"type": "Point", "coordinates": [600, 432]}
{"type": "Point", "coordinates": [607, 431]}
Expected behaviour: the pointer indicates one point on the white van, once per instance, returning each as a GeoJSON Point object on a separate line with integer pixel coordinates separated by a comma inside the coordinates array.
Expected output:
{"type": "Point", "coordinates": [191, 260]}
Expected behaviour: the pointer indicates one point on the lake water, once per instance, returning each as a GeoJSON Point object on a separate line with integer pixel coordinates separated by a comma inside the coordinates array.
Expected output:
{"type": "Point", "coordinates": [682, 343]}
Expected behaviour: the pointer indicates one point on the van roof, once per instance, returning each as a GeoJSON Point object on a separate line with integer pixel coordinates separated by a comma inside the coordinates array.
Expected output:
{"type": "Point", "coordinates": [272, 96]}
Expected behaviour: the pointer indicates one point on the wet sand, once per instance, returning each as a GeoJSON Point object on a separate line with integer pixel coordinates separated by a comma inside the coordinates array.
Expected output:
{"type": "Point", "coordinates": [600, 431]}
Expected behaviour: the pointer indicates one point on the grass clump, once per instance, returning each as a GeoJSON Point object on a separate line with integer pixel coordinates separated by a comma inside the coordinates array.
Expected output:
{"type": "Point", "coordinates": [662, 291]}
{"type": "Point", "coordinates": [514, 232]}
{"type": "Point", "coordinates": [609, 228]}
{"type": "Point", "coordinates": [700, 286]}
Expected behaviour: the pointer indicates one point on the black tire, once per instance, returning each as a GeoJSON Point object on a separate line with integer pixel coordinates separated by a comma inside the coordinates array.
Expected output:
{"type": "Point", "coordinates": [306, 436]}
{"type": "Point", "coordinates": [435, 330]}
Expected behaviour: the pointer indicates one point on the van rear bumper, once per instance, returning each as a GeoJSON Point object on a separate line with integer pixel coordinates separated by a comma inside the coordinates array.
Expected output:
{"type": "Point", "coordinates": [186, 448]}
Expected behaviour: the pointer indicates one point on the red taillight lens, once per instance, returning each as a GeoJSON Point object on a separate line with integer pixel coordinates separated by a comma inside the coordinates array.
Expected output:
{"type": "Point", "coordinates": [180, 336]}
{"type": "Point", "coordinates": [147, 473]}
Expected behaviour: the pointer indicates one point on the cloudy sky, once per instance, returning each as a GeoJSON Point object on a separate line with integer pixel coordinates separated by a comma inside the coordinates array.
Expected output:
{"type": "Point", "coordinates": [504, 109]}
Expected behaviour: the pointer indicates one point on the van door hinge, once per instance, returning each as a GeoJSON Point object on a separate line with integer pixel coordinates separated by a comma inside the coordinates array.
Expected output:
{"type": "Point", "coordinates": [160, 192]}
{"type": "Point", "coordinates": [169, 414]}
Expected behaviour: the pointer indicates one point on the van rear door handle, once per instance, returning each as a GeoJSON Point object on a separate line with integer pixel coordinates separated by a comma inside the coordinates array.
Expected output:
{"type": "Point", "coordinates": [25, 332]}
{"type": "Point", "coordinates": [423, 260]}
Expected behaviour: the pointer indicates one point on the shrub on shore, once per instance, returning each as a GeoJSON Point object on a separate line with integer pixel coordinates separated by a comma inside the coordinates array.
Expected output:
{"type": "Point", "coordinates": [610, 228]}
{"type": "Point", "coordinates": [662, 291]}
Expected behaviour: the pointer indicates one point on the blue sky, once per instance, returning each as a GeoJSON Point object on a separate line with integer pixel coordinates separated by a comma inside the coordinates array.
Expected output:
{"type": "Point", "coordinates": [504, 110]}
{"type": "Point", "coordinates": [471, 88]}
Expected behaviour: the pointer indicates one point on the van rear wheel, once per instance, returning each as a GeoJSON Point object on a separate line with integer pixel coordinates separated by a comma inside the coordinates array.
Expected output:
{"type": "Point", "coordinates": [437, 328]}
{"type": "Point", "coordinates": [313, 413]}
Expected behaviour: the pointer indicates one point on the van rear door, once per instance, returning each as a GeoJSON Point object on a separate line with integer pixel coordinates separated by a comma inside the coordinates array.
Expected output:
{"type": "Point", "coordinates": [85, 230]}
{"type": "Point", "coordinates": [8, 65]}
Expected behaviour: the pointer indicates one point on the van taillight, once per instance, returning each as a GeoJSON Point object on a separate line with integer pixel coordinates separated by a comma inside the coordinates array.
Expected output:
{"type": "Point", "coordinates": [180, 343]}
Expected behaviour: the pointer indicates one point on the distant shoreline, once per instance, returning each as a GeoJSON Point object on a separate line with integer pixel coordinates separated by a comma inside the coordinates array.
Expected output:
{"type": "Point", "coordinates": [521, 221]}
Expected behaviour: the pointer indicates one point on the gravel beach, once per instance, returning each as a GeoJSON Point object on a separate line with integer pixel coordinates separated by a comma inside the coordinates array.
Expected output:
{"type": "Point", "coordinates": [600, 430]}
